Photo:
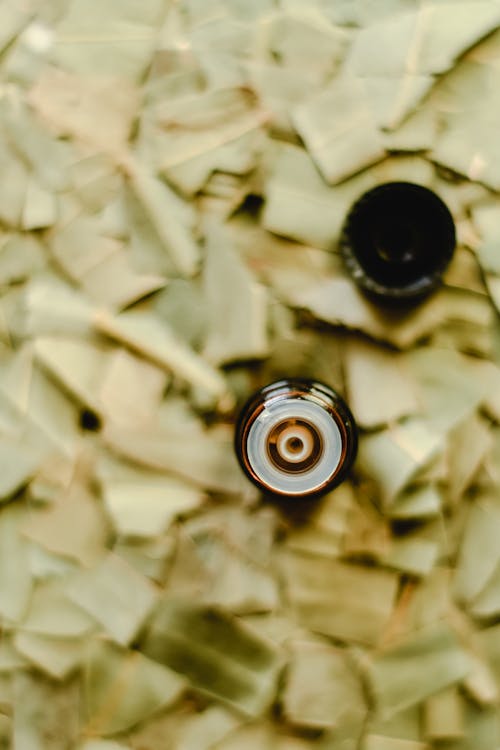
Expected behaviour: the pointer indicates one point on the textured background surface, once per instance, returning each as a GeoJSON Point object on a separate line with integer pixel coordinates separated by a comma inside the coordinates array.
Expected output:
{"type": "Point", "coordinates": [173, 179]}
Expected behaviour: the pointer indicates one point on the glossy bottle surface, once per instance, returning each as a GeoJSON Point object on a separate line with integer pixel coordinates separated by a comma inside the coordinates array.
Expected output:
{"type": "Point", "coordinates": [397, 241]}
{"type": "Point", "coordinates": [296, 438]}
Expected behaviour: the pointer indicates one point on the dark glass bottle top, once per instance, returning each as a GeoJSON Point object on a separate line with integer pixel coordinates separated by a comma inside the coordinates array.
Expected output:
{"type": "Point", "coordinates": [296, 438]}
{"type": "Point", "coordinates": [397, 241]}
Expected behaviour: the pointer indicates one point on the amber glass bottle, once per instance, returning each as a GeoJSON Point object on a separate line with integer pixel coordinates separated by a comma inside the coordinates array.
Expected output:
{"type": "Point", "coordinates": [296, 438]}
{"type": "Point", "coordinates": [397, 241]}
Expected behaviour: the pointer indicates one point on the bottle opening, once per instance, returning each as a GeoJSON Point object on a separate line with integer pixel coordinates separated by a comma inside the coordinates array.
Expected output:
{"type": "Point", "coordinates": [395, 242]}
{"type": "Point", "coordinates": [294, 445]}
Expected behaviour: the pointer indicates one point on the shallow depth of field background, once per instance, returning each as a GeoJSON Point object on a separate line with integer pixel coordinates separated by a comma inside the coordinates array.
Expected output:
{"type": "Point", "coordinates": [174, 176]}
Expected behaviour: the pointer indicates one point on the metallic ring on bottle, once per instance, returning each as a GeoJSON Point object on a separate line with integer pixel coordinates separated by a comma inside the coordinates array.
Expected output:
{"type": "Point", "coordinates": [296, 438]}
{"type": "Point", "coordinates": [397, 241]}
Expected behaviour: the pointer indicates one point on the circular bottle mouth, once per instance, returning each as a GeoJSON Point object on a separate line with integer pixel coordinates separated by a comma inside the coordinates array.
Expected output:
{"type": "Point", "coordinates": [296, 438]}
{"type": "Point", "coordinates": [397, 240]}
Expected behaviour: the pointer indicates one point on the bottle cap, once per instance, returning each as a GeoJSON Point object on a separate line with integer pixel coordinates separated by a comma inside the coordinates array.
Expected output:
{"type": "Point", "coordinates": [397, 241]}
{"type": "Point", "coordinates": [296, 438]}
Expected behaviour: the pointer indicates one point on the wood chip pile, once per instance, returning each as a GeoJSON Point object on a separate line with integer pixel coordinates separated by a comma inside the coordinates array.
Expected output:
{"type": "Point", "coordinates": [174, 176]}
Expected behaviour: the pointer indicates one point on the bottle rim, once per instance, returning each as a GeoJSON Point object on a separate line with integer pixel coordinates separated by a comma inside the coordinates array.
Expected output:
{"type": "Point", "coordinates": [309, 390]}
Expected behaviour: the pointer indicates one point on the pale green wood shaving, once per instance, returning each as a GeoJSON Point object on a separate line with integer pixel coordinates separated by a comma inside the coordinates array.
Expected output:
{"type": "Point", "coordinates": [122, 688]}
{"type": "Point", "coordinates": [347, 738]}
{"type": "Point", "coordinates": [204, 730]}
{"type": "Point", "coordinates": [281, 90]}
{"type": "Point", "coordinates": [418, 502]}
{"type": "Point", "coordinates": [426, 603]}
{"type": "Point", "coordinates": [112, 99]}
{"type": "Point", "coordinates": [45, 710]}
{"type": "Point", "coordinates": [469, 444]}
{"type": "Point", "coordinates": [147, 335]}
{"type": "Point", "coordinates": [50, 306]}
{"type": "Point", "coordinates": [183, 307]}
{"type": "Point", "coordinates": [10, 659]}
{"type": "Point", "coordinates": [328, 526]}
{"type": "Point", "coordinates": [451, 387]}
{"type": "Point", "coordinates": [322, 687]}
{"type": "Point", "coordinates": [52, 614]}
{"type": "Point", "coordinates": [381, 387]}
{"type": "Point", "coordinates": [18, 464]}
{"type": "Point", "coordinates": [493, 285]}
{"type": "Point", "coordinates": [47, 157]}
{"type": "Point", "coordinates": [232, 580]}
{"type": "Point", "coordinates": [238, 156]}
{"type": "Point", "coordinates": [205, 458]}
{"type": "Point", "coordinates": [56, 657]}
{"type": "Point", "coordinates": [221, 115]}
{"type": "Point", "coordinates": [487, 603]}
{"type": "Point", "coordinates": [150, 558]}
{"type": "Point", "coordinates": [377, 742]}
{"type": "Point", "coordinates": [403, 725]}
{"type": "Point", "coordinates": [170, 217]}
{"type": "Point", "coordinates": [12, 20]}
{"type": "Point", "coordinates": [115, 595]}
{"type": "Point", "coordinates": [223, 194]}
{"type": "Point", "coordinates": [443, 42]}
{"type": "Point", "coordinates": [16, 583]}
{"type": "Point", "coordinates": [236, 304]}
{"type": "Point", "coordinates": [263, 735]}
{"type": "Point", "coordinates": [483, 729]}
{"type": "Point", "coordinates": [479, 554]}
{"type": "Point", "coordinates": [100, 264]}
{"type": "Point", "coordinates": [351, 141]}
{"type": "Point", "coordinates": [78, 364]}
{"type": "Point", "coordinates": [338, 302]}
{"type": "Point", "coordinates": [256, 735]}
{"type": "Point", "coordinates": [304, 39]}
{"type": "Point", "coordinates": [485, 217]}
{"type": "Point", "coordinates": [299, 204]}
{"type": "Point", "coordinates": [367, 534]}
{"type": "Point", "coordinates": [54, 528]}
{"type": "Point", "coordinates": [102, 745]}
{"type": "Point", "coordinates": [131, 390]}
{"type": "Point", "coordinates": [29, 390]}
{"type": "Point", "coordinates": [40, 208]}
{"type": "Point", "coordinates": [97, 184]}
{"type": "Point", "coordinates": [391, 99]}
{"type": "Point", "coordinates": [132, 27]}
{"type": "Point", "coordinates": [13, 183]}
{"type": "Point", "coordinates": [480, 684]}
{"type": "Point", "coordinates": [147, 508]}
{"type": "Point", "coordinates": [467, 143]}
{"type": "Point", "coordinates": [114, 283]}
{"type": "Point", "coordinates": [435, 659]}
{"type": "Point", "coordinates": [417, 132]}
{"type": "Point", "coordinates": [219, 655]}
{"type": "Point", "coordinates": [250, 534]}
{"type": "Point", "coordinates": [393, 458]}
{"type": "Point", "coordinates": [410, 48]}
{"type": "Point", "coordinates": [348, 602]}
{"type": "Point", "coordinates": [412, 555]}
{"type": "Point", "coordinates": [28, 51]}
{"type": "Point", "coordinates": [444, 715]}
{"type": "Point", "coordinates": [489, 644]}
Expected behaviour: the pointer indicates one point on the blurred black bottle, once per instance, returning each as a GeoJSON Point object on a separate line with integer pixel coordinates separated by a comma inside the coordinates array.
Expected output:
{"type": "Point", "coordinates": [397, 241]}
